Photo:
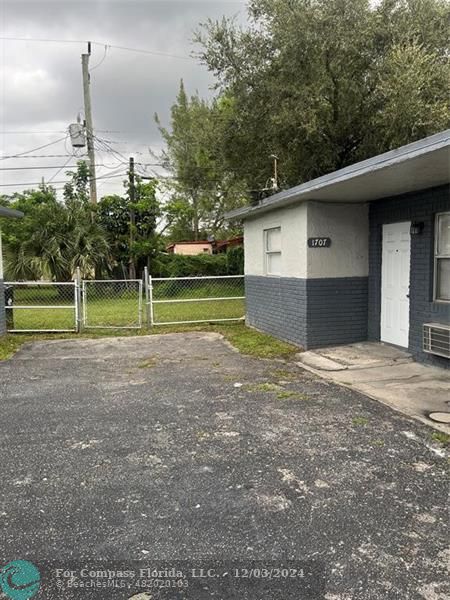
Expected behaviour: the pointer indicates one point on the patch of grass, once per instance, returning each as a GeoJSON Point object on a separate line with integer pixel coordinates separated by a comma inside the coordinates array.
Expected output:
{"type": "Point", "coordinates": [244, 339]}
{"type": "Point", "coordinates": [283, 374]}
{"type": "Point", "coordinates": [148, 363]}
{"type": "Point", "coordinates": [286, 394]}
{"type": "Point", "coordinates": [378, 442]}
{"type": "Point", "coordinates": [253, 342]}
{"type": "Point", "coordinates": [360, 421]}
{"type": "Point", "coordinates": [263, 387]}
{"type": "Point", "coordinates": [441, 437]}
{"type": "Point", "coordinates": [11, 343]}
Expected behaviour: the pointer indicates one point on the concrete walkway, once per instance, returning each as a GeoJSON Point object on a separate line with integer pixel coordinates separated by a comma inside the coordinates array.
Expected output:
{"type": "Point", "coordinates": [388, 375]}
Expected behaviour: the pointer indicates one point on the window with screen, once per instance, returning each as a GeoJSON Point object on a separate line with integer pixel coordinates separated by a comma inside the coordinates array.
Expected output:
{"type": "Point", "coordinates": [272, 243]}
{"type": "Point", "coordinates": [442, 258]}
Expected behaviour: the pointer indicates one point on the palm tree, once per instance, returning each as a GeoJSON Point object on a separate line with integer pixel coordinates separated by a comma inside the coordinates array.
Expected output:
{"type": "Point", "coordinates": [54, 238]}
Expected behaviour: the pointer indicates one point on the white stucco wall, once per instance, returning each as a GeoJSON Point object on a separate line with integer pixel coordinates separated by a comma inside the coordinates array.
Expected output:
{"type": "Point", "coordinates": [292, 221]}
{"type": "Point", "coordinates": [346, 224]}
{"type": "Point", "coordinates": [348, 227]}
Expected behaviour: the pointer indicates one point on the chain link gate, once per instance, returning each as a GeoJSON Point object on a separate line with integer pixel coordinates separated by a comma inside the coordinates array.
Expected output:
{"type": "Point", "coordinates": [41, 306]}
{"type": "Point", "coordinates": [111, 304]}
{"type": "Point", "coordinates": [183, 300]}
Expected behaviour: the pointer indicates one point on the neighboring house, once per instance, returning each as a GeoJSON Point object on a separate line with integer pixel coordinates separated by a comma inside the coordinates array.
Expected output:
{"type": "Point", "coordinates": [190, 248]}
{"type": "Point", "coordinates": [359, 254]}
{"type": "Point", "coordinates": [9, 213]}
{"type": "Point", "coordinates": [204, 247]}
{"type": "Point", "coordinates": [224, 245]}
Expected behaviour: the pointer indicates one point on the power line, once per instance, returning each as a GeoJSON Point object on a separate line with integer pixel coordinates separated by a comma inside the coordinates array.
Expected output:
{"type": "Point", "coordinates": [151, 52]}
{"type": "Point", "coordinates": [59, 170]}
{"type": "Point", "coordinates": [22, 39]}
{"type": "Point", "coordinates": [78, 156]}
{"type": "Point", "coordinates": [39, 182]}
{"type": "Point", "coordinates": [102, 60]}
{"type": "Point", "coordinates": [95, 43]}
{"type": "Point", "coordinates": [32, 132]}
{"type": "Point", "coordinates": [33, 149]}
{"type": "Point", "coordinates": [107, 148]}
{"type": "Point", "coordinates": [36, 168]}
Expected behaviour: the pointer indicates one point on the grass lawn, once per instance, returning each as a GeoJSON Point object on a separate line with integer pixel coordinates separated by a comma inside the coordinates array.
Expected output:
{"type": "Point", "coordinates": [124, 312]}
{"type": "Point", "coordinates": [205, 310]}
{"type": "Point", "coordinates": [42, 318]}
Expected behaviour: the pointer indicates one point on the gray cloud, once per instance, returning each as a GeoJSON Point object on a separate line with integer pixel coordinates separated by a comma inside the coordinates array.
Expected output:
{"type": "Point", "coordinates": [41, 82]}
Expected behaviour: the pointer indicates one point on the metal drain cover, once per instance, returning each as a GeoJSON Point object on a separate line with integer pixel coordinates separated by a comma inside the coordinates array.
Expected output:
{"type": "Point", "coordinates": [440, 417]}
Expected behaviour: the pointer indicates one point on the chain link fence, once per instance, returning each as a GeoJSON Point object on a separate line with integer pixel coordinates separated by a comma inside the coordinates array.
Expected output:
{"type": "Point", "coordinates": [196, 299]}
{"type": "Point", "coordinates": [40, 306]}
{"type": "Point", "coordinates": [34, 306]}
{"type": "Point", "coordinates": [115, 304]}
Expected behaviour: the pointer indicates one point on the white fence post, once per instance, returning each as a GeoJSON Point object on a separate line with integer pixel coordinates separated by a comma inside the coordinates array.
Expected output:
{"type": "Point", "coordinates": [78, 301]}
{"type": "Point", "coordinates": [145, 277]}
{"type": "Point", "coordinates": [150, 300]}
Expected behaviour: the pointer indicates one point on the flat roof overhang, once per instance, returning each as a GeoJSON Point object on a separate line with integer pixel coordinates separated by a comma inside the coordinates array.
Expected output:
{"type": "Point", "coordinates": [417, 166]}
{"type": "Point", "coordinates": [9, 212]}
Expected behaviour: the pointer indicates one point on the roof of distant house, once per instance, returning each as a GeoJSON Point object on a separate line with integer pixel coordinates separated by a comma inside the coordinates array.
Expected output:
{"type": "Point", "coordinates": [239, 239]}
{"type": "Point", "coordinates": [203, 243]}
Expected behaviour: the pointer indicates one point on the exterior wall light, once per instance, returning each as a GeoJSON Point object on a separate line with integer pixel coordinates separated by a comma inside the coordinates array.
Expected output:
{"type": "Point", "coordinates": [416, 227]}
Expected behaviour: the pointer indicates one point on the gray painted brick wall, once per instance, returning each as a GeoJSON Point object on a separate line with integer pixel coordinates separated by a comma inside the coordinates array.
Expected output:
{"type": "Point", "coordinates": [277, 305]}
{"type": "Point", "coordinates": [419, 206]}
{"type": "Point", "coordinates": [2, 309]}
{"type": "Point", "coordinates": [311, 313]}
{"type": "Point", "coordinates": [337, 311]}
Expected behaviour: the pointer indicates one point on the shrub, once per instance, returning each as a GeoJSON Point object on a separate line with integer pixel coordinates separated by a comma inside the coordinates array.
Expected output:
{"type": "Point", "coordinates": [235, 260]}
{"type": "Point", "coordinates": [201, 265]}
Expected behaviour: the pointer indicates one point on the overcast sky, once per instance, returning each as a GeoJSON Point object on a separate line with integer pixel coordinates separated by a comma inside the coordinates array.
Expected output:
{"type": "Point", "coordinates": [42, 86]}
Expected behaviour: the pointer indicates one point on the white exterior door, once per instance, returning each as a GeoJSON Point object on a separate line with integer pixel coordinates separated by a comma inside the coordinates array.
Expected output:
{"type": "Point", "coordinates": [395, 269]}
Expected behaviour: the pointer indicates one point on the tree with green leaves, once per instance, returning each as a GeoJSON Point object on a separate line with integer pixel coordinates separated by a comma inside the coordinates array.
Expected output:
{"type": "Point", "coordinates": [113, 215]}
{"type": "Point", "coordinates": [201, 188]}
{"type": "Point", "coordinates": [325, 83]}
{"type": "Point", "coordinates": [54, 238]}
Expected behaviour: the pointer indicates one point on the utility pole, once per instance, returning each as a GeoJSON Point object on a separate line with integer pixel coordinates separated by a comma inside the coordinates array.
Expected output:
{"type": "Point", "coordinates": [132, 198]}
{"type": "Point", "coordinates": [275, 172]}
{"type": "Point", "coordinates": [88, 124]}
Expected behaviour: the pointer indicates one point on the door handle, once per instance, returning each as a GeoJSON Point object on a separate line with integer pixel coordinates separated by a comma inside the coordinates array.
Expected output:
{"type": "Point", "coordinates": [407, 295]}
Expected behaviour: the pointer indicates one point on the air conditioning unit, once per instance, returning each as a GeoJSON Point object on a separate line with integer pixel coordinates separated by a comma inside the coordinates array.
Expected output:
{"type": "Point", "coordinates": [436, 339]}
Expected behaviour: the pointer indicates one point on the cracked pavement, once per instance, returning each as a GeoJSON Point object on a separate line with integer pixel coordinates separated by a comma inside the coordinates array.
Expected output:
{"type": "Point", "coordinates": [176, 447]}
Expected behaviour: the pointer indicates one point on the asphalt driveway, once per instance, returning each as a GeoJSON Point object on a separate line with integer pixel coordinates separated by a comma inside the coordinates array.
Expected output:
{"type": "Point", "coordinates": [176, 449]}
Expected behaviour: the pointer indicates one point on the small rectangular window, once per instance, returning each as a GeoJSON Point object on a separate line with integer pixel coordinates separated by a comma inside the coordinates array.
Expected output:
{"type": "Point", "coordinates": [442, 258]}
{"type": "Point", "coordinates": [272, 247]}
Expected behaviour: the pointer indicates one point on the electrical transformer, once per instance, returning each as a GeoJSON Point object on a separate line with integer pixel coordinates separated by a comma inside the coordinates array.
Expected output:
{"type": "Point", "coordinates": [77, 135]}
